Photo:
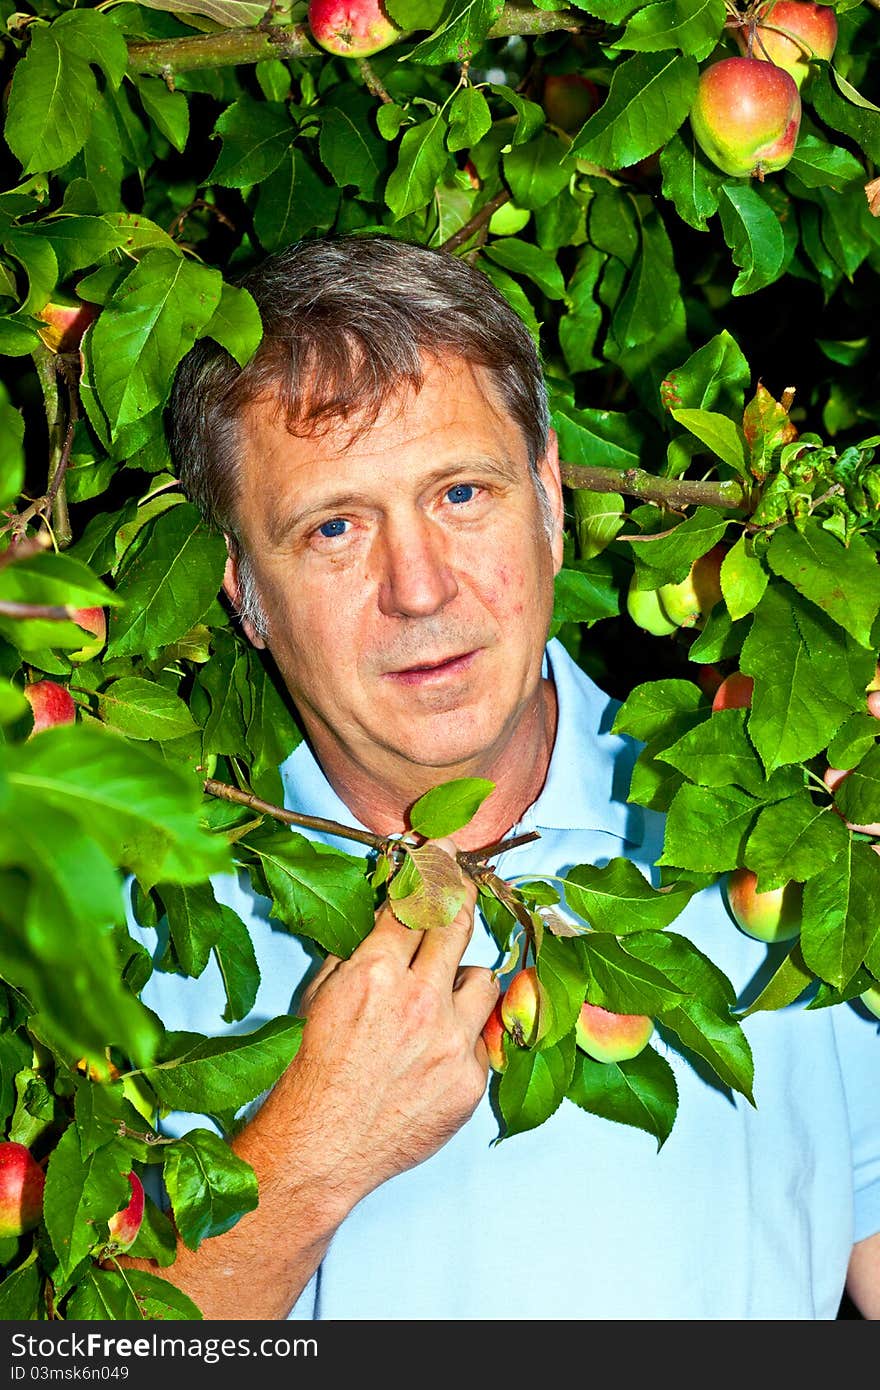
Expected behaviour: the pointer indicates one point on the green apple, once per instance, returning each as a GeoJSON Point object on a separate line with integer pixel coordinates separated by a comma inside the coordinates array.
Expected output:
{"type": "Point", "coordinates": [689, 603]}
{"type": "Point", "coordinates": [647, 612]}
{"type": "Point", "coordinates": [611, 1037]}
{"type": "Point", "coordinates": [774, 915]}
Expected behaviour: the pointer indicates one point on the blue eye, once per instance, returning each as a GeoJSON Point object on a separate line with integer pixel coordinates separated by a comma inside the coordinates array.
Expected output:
{"type": "Point", "coordinates": [462, 492]}
{"type": "Point", "coordinates": [336, 527]}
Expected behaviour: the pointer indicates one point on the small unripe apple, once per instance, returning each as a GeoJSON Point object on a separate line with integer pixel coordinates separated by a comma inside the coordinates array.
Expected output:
{"type": "Point", "coordinates": [647, 612]}
{"type": "Point", "coordinates": [493, 1037]}
{"type": "Point", "coordinates": [569, 99]}
{"type": "Point", "coordinates": [610, 1037]}
{"type": "Point", "coordinates": [812, 30]}
{"type": "Point", "coordinates": [689, 603]}
{"type": "Point", "coordinates": [774, 915]}
{"type": "Point", "coordinates": [871, 1000]}
{"type": "Point", "coordinates": [734, 692]}
{"type": "Point", "coordinates": [874, 703]}
{"type": "Point", "coordinates": [51, 704]}
{"type": "Point", "coordinates": [125, 1224]}
{"type": "Point", "coordinates": [94, 620]}
{"type": "Point", "coordinates": [65, 323]}
{"type": "Point", "coordinates": [351, 28]}
{"type": "Point", "coordinates": [746, 116]}
{"type": "Point", "coordinates": [521, 1007]}
{"type": "Point", "coordinates": [21, 1189]}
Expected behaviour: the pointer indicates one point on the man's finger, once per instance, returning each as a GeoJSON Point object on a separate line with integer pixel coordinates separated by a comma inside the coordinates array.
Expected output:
{"type": "Point", "coordinates": [474, 997]}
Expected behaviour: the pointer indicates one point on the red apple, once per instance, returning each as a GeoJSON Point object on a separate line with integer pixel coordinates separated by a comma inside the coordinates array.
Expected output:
{"type": "Point", "coordinates": [66, 321]}
{"type": "Point", "coordinates": [874, 703]}
{"type": "Point", "coordinates": [521, 1007]}
{"type": "Point", "coordinates": [610, 1037]}
{"type": "Point", "coordinates": [93, 620]}
{"type": "Point", "coordinates": [493, 1037]}
{"type": "Point", "coordinates": [569, 99]}
{"type": "Point", "coordinates": [774, 915]}
{"type": "Point", "coordinates": [734, 692]}
{"type": "Point", "coordinates": [746, 116]}
{"type": "Point", "coordinates": [21, 1189]}
{"type": "Point", "coordinates": [790, 33]}
{"type": "Point", "coordinates": [51, 704]}
{"type": "Point", "coordinates": [125, 1224]}
{"type": "Point", "coordinates": [689, 603]}
{"type": "Point", "coordinates": [351, 28]}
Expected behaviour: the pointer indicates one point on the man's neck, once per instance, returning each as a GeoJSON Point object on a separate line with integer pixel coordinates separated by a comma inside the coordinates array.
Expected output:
{"type": "Point", "coordinates": [518, 769]}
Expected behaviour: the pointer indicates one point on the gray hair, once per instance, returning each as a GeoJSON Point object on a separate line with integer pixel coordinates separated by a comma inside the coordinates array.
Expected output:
{"type": "Point", "coordinates": [347, 321]}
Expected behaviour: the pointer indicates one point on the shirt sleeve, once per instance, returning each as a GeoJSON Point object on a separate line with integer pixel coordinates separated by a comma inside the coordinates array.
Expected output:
{"type": "Point", "coordinates": [858, 1042]}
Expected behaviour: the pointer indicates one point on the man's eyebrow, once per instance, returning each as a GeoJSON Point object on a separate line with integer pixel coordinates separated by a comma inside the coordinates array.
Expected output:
{"type": "Point", "coordinates": [284, 521]}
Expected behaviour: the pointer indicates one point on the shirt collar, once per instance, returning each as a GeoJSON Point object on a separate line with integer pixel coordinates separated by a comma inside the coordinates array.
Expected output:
{"type": "Point", "coordinates": [587, 780]}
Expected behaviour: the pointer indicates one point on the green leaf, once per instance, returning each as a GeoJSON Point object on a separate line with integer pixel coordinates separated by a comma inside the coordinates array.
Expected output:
{"type": "Point", "coordinates": [237, 961]}
{"type": "Point", "coordinates": [805, 685]}
{"type": "Point", "coordinates": [448, 807]}
{"type": "Point", "coordinates": [859, 124]}
{"type": "Point", "coordinates": [145, 329]}
{"type": "Point", "coordinates": [469, 119]}
{"type": "Point", "coordinates": [563, 975]}
{"type": "Point", "coordinates": [54, 579]}
{"type": "Point", "coordinates": [691, 183]}
{"type": "Point", "coordinates": [584, 593]}
{"type": "Point", "coordinates": [844, 580]}
{"type": "Point", "coordinates": [641, 1092]}
{"type": "Point", "coordinates": [293, 200]}
{"type": "Point", "coordinates": [718, 753]}
{"type": "Point", "coordinates": [598, 519]}
{"type": "Point", "coordinates": [420, 164]}
{"type": "Point", "coordinates": [840, 929]}
{"type": "Point", "coordinates": [54, 89]}
{"type": "Point", "coordinates": [429, 890]}
{"type": "Point", "coordinates": [793, 840]}
{"type": "Point", "coordinates": [347, 145]}
{"type": "Point", "coordinates": [79, 1192]}
{"type": "Point", "coordinates": [668, 558]}
{"type": "Point", "coordinates": [618, 898]}
{"type": "Point", "coordinates": [210, 1187]}
{"type": "Point", "coordinates": [21, 1294]}
{"type": "Point", "coordinates": [754, 236]}
{"type": "Point", "coordinates": [786, 984]}
{"type": "Point", "coordinates": [743, 579]}
{"type": "Point", "coordinates": [537, 170]}
{"type": "Point", "coordinates": [694, 26]}
{"type": "Point", "coordinates": [653, 293]}
{"type": "Point", "coordinates": [461, 35]}
{"type": "Point", "coordinates": [324, 896]}
{"type": "Point", "coordinates": [622, 981]}
{"type": "Point", "coordinates": [170, 584]}
{"type": "Point", "coordinates": [167, 109]}
{"type": "Point", "coordinates": [855, 737]}
{"type": "Point", "coordinates": [102, 1295]}
{"type": "Point", "coordinates": [721, 436]}
{"type": "Point", "coordinates": [656, 707]}
{"type": "Point", "coordinates": [523, 258]}
{"type": "Point", "coordinates": [649, 97]}
{"type": "Point", "coordinates": [143, 709]}
{"type": "Point", "coordinates": [713, 379]}
{"type": "Point", "coordinates": [256, 136]}
{"type": "Point", "coordinates": [818, 163]}
{"type": "Point", "coordinates": [235, 324]}
{"type": "Point", "coordinates": [205, 1075]}
{"type": "Point", "coordinates": [858, 796]}
{"type": "Point", "coordinates": [601, 438]}
{"type": "Point", "coordinates": [533, 1085]}
{"type": "Point", "coordinates": [706, 828]}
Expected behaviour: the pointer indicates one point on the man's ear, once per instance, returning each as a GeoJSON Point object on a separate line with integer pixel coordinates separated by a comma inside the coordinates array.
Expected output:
{"type": "Point", "coordinates": [232, 590]}
{"type": "Point", "coordinates": [548, 471]}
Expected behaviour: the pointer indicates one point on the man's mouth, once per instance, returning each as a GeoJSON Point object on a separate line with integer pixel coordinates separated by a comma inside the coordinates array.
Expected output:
{"type": "Point", "coordinates": [429, 672]}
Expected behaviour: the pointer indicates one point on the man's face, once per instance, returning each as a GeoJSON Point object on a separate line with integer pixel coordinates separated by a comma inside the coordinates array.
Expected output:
{"type": "Point", "coordinates": [407, 577]}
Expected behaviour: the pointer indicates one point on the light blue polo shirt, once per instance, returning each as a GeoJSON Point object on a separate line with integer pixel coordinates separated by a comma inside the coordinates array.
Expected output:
{"type": "Point", "coordinates": [745, 1213]}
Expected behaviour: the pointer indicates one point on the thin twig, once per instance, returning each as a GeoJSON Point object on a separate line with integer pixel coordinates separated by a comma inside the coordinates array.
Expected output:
{"type": "Point", "coordinates": [476, 222]}
{"type": "Point", "coordinates": [56, 612]}
{"type": "Point", "coordinates": [227, 793]}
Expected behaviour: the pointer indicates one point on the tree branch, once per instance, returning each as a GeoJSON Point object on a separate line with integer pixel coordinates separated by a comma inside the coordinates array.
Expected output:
{"type": "Point", "coordinates": [165, 57]}
{"type": "Point", "coordinates": [668, 492]}
{"type": "Point", "coordinates": [476, 222]}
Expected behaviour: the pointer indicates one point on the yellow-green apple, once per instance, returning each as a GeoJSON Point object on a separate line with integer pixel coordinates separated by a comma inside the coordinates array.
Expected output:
{"type": "Point", "coordinates": [790, 33]}
{"type": "Point", "coordinates": [746, 116]}
{"type": "Point", "coordinates": [493, 1037]}
{"type": "Point", "coordinates": [50, 703]}
{"type": "Point", "coordinates": [832, 777]}
{"type": "Point", "coordinates": [66, 320]}
{"type": "Point", "coordinates": [569, 99]}
{"type": "Point", "coordinates": [94, 620]}
{"type": "Point", "coordinates": [125, 1224]}
{"type": "Point", "coordinates": [774, 915]}
{"type": "Point", "coordinates": [689, 602]}
{"type": "Point", "coordinates": [646, 611]}
{"type": "Point", "coordinates": [871, 1000]}
{"type": "Point", "coordinates": [610, 1037]}
{"type": "Point", "coordinates": [734, 692]}
{"type": "Point", "coordinates": [521, 1006]}
{"type": "Point", "coordinates": [21, 1189]}
{"type": "Point", "coordinates": [351, 28]}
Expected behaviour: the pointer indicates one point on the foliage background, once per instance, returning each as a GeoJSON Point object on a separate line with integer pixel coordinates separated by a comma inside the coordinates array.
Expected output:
{"type": "Point", "coordinates": [152, 153]}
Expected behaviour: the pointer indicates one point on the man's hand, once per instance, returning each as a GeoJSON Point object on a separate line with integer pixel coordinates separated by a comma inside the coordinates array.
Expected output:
{"type": "Point", "coordinates": [391, 1064]}
{"type": "Point", "coordinates": [392, 1057]}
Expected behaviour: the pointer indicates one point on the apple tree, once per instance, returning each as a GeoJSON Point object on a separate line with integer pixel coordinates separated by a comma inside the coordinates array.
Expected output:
{"type": "Point", "coordinates": [680, 200]}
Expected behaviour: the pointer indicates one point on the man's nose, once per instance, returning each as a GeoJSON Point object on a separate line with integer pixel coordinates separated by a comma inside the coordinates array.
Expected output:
{"type": "Point", "coordinates": [416, 577]}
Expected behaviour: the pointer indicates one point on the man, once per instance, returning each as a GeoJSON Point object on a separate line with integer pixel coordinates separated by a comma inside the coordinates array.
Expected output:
{"type": "Point", "coordinates": [390, 492]}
